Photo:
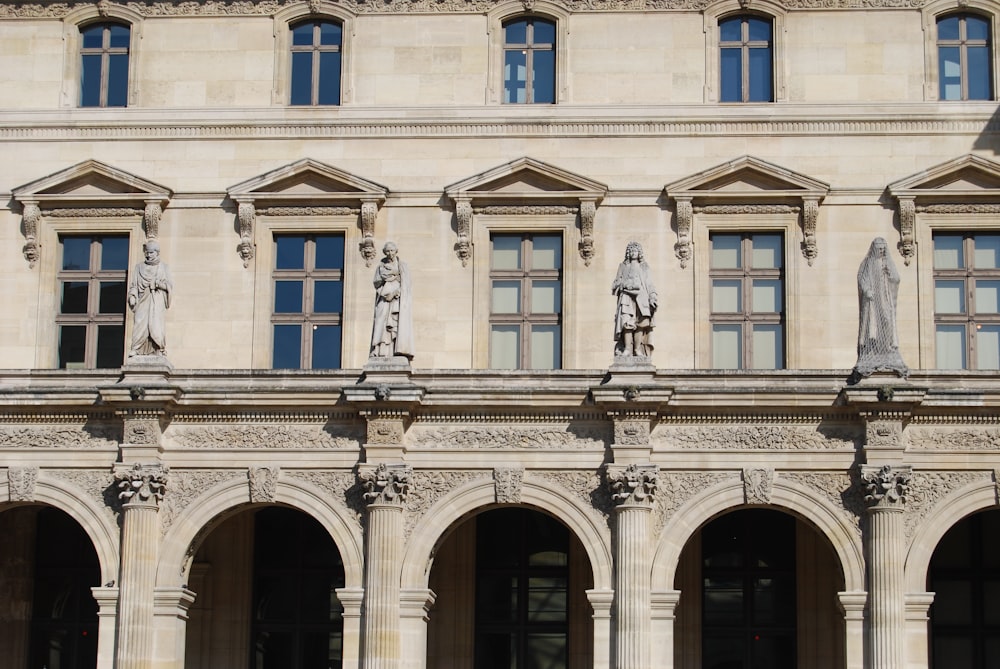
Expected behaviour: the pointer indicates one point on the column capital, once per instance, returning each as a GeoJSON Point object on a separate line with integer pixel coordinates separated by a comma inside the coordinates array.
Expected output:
{"type": "Point", "coordinates": [386, 483]}
{"type": "Point", "coordinates": [886, 486]}
{"type": "Point", "coordinates": [142, 484]}
{"type": "Point", "coordinates": [633, 485]}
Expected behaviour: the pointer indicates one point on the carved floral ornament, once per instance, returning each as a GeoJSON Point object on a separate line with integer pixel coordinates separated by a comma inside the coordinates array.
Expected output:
{"type": "Point", "coordinates": [386, 484]}
{"type": "Point", "coordinates": [633, 485]}
{"type": "Point", "coordinates": [886, 486]}
{"type": "Point", "coordinates": [142, 483]}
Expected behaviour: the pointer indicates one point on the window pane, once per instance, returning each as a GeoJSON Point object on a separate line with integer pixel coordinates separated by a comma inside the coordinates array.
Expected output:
{"type": "Point", "coordinates": [546, 599]}
{"type": "Point", "coordinates": [110, 346]}
{"type": "Point", "coordinates": [731, 75]}
{"type": "Point", "coordinates": [506, 297]}
{"type": "Point", "coordinates": [119, 36]}
{"type": "Point", "coordinates": [988, 347]}
{"type": "Point", "coordinates": [545, 651]}
{"type": "Point", "coordinates": [949, 297]}
{"type": "Point", "coordinates": [727, 296]}
{"type": "Point", "coordinates": [544, 32]}
{"type": "Point", "coordinates": [329, 78]}
{"type": "Point", "coordinates": [987, 254]}
{"type": "Point", "coordinates": [301, 88]}
{"type": "Point", "coordinates": [118, 80]}
{"type": "Point", "coordinates": [302, 34]}
{"type": "Point", "coordinates": [726, 252]}
{"type": "Point", "coordinates": [766, 251]}
{"type": "Point", "coordinates": [949, 344]}
{"type": "Point", "coordinates": [93, 36]}
{"type": "Point", "coordinates": [74, 297]}
{"type": "Point", "coordinates": [727, 352]}
{"type": "Point", "coordinates": [506, 252]}
{"type": "Point", "coordinates": [543, 77]}
{"type": "Point", "coordinates": [287, 347]}
{"type": "Point", "coordinates": [72, 346]}
{"type": "Point", "coordinates": [987, 294]}
{"type": "Point", "coordinates": [952, 603]}
{"type": "Point", "coordinates": [767, 295]}
{"type": "Point", "coordinates": [948, 252]}
{"type": "Point", "coordinates": [114, 253]}
{"type": "Point", "coordinates": [326, 347]}
{"type": "Point", "coordinates": [978, 64]}
{"type": "Point", "coordinates": [90, 81]}
{"type": "Point", "coordinates": [515, 77]}
{"type": "Point", "coordinates": [290, 252]}
{"type": "Point", "coordinates": [329, 252]}
{"type": "Point", "coordinates": [768, 351]}
{"type": "Point", "coordinates": [330, 33]}
{"type": "Point", "coordinates": [328, 297]}
{"type": "Point", "coordinates": [516, 32]}
{"type": "Point", "coordinates": [953, 651]}
{"type": "Point", "coordinates": [759, 29]}
{"type": "Point", "coordinates": [288, 297]}
{"type": "Point", "coordinates": [546, 297]}
{"type": "Point", "coordinates": [977, 28]}
{"type": "Point", "coordinates": [545, 345]}
{"type": "Point", "coordinates": [505, 346]}
{"type": "Point", "coordinates": [76, 253]}
{"type": "Point", "coordinates": [950, 73]}
{"type": "Point", "coordinates": [546, 252]}
{"type": "Point", "coordinates": [112, 297]}
{"type": "Point", "coordinates": [730, 30]}
{"type": "Point", "coordinates": [948, 28]}
{"type": "Point", "coordinates": [760, 75]}
{"type": "Point", "coordinates": [723, 600]}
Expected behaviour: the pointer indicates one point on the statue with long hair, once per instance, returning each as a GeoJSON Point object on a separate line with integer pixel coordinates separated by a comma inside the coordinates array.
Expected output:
{"type": "Point", "coordinates": [878, 291]}
{"type": "Point", "coordinates": [636, 305]}
{"type": "Point", "coordinates": [392, 329]}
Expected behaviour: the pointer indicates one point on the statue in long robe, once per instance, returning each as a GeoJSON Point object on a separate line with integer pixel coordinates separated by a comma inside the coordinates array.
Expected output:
{"type": "Point", "coordinates": [149, 290]}
{"type": "Point", "coordinates": [392, 329]}
{"type": "Point", "coordinates": [636, 305]}
{"type": "Point", "coordinates": [878, 291]}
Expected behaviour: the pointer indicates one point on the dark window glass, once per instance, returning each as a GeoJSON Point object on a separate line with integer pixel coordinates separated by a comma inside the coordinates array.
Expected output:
{"type": "Point", "coordinates": [529, 61]}
{"type": "Point", "coordinates": [104, 65]}
{"type": "Point", "coordinates": [746, 70]}
{"type": "Point", "coordinates": [308, 301]}
{"type": "Point", "coordinates": [967, 301]}
{"type": "Point", "coordinates": [964, 57]}
{"type": "Point", "coordinates": [316, 63]}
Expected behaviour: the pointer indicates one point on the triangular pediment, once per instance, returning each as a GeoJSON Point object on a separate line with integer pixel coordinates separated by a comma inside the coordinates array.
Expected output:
{"type": "Point", "coordinates": [94, 183]}
{"type": "Point", "coordinates": [527, 179]}
{"type": "Point", "coordinates": [966, 177]}
{"type": "Point", "coordinates": [747, 178]}
{"type": "Point", "coordinates": [307, 180]}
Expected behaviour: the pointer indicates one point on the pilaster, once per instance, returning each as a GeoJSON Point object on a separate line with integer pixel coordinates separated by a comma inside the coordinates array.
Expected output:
{"type": "Point", "coordinates": [663, 612]}
{"type": "Point", "coordinates": [918, 605]}
{"type": "Point", "coordinates": [415, 607]}
{"type": "Point", "coordinates": [107, 614]}
{"type": "Point", "coordinates": [601, 602]}
{"type": "Point", "coordinates": [351, 600]}
{"type": "Point", "coordinates": [853, 605]}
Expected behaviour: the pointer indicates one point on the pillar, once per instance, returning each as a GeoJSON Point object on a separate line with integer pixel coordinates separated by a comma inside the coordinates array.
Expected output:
{"type": "Point", "coordinates": [142, 488]}
{"type": "Point", "coordinates": [386, 487]}
{"type": "Point", "coordinates": [663, 615]}
{"type": "Point", "coordinates": [632, 489]}
{"type": "Point", "coordinates": [852, 605]}
{"type": "Point", "coordinates": [601, 602]}
{"type": "Point", "coordinates": [886, 489]}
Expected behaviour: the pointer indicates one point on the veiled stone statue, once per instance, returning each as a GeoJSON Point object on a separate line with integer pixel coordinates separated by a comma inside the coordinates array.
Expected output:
{"type": "Point", "coordinates": [878, 290]}
{"type": "Point", "coordinates": [392, 330]}
{"type": "Point", "coordinates": [149, 289]}
{"type": "Point", "coordinates": [636, 305]}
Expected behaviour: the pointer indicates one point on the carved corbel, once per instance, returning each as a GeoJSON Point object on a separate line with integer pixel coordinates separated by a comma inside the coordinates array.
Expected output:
{"type": "Point", "coordinates": [886, 486]}
{"type": "Point", "coordinates": [588, 210]}
{"type": "Point", "coordinates": [30, 218]}
{"type": "Point", "coordinates": [907, 226]}
{"type": "Point", "coordinates": [685, 217]}
{"type": "Point", "coordinates": [463, 219]}
{"type": "Point", "coordinates": [369, 210]}
{"type": "Point", "coordinates": [810, 213]}
{"type": "Point", "coordinates": [386, 484]}
{"type": "Point", "coordinates": [142, 484]}
{"type": "Point", "coordinates": [507, 482]}
{"type": "Point", "coordinates": [758, 483]}
{"type": "Point", "coordinates": [247, 215]}
{"type": "Point", "coordinates": [21, 483]}
{"type": "Point", "coordinates": [263, 482]}
{"type": "Point", "coordinates": [151, 219]}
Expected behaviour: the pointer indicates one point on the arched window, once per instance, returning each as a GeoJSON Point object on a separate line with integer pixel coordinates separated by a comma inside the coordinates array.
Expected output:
{"type": "Point", "coordinates": [746, 59]}
{"type": "Point", "coordinates": [104, 56]}
{"type": "Point", "coordinates": [316, 50]}
{"type": "Point", "coordinates": [964, 53]}
{"type": "Point", "coordinates": [529, 61]}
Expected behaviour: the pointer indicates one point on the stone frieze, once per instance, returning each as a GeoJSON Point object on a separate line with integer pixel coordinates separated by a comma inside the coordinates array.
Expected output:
{"type": "Point", "coordinates": [59, 436]}
{"type": "Point", "coordinates": [510, 436]}
{"type": "Point", "coordinates": [954, 439]}
{"type": "Point", "coordinates": [427, 487]}
{"type": "Point", "coordinates": [755, 437]}
{"type": "Point", "coordinates": [928, 488]}
{"type": "Point", "coordinates": [262, 436]}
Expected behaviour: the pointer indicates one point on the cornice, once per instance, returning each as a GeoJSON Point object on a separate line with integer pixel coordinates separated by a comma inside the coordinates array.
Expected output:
{"type": "Point", "coordinates": [154, 9]}
{"type": "Point", "coordinates": [568, 122]}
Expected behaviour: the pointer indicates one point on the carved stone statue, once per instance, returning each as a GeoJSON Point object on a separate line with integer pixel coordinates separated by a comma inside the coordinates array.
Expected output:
{"type": "Point", "coordinates": [878, 290]}
{"type": "Point", "coordinates": [149, 290]}
{"type": "Point", "coordinates": [636, 305]}
{"type": "Point", "coordinates": [392, 330]}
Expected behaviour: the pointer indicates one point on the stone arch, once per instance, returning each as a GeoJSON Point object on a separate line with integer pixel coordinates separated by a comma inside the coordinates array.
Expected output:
{"type": "Point", "coordinates": [786, 496]}
{"type": "Point", "coordinates": [95, 520]}
{"type": "Point", "coordinates": [476, 495]}
{"type": "Point", "coordinates": [975, 497]}
{"type": "Point", "coordinates": [233, 495]}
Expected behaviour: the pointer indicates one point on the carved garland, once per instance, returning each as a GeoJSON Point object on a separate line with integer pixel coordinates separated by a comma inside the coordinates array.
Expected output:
{"type": "Point", "coordinates": [29, 219]}
{"type": "Point", "coordinates": [907, 225]}
{"type": "Point", "coordinates": [369, 210]}
{"type": "Point", "coordinates": [21, 483]}
{"type": "Point", "coordinates": [588, 210]}
{"type": "Point", "coordinates": [507, 481]}
{"type": "Point", "coordinates": [685, 217]}
{"type": "Point", "coordinates": [463, 222]}
{"type": "Point", "coordinates": [758, 485]}
{"type": "Point", "coordinates": [247, 216]}
{"type": "Point", "coordinates": [151, 219]}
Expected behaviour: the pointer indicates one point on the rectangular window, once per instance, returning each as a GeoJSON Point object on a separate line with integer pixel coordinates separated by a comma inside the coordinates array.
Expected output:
{"type": "Point", "coordinates": [308, 288]}
{"type": "Point", "coordinates": [91, 321]}
{"type": "Point", "coordinates": [104, 56]}
{"type": "Point", "coordinates": [529, 61]}
{"type": "Point", "coordinates": [526, 301]}
{"type": "Point", "coordinates": [967, 301]}
{"type": "Point", "coordinates": [746, 59]}
{"type": "Point", "coordinates": [747, 295]}
{"type": "Point", "coordinates": [964, 56]}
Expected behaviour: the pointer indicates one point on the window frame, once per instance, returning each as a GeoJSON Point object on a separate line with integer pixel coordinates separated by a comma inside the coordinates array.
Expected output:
{"type": "Point", "coordinates": [707, 224]}
{"type": "Point", "coordinates": [726, 9]}
{"type": "Point", "coordinates": [746, 45]}
{"type": "Point", "coordinates": [930, 14]}
{"type": "Point", "coordinates": [531, 48]}
{"type": "Point", "coordinates": [963, 43]}
{"type": "Point", "coordinates": [73, 23]}
{"type": "Point", "coordinates": [296, 14]}
{"type": "Point", "coordinates": [509, 11]}
{"type": "Point", "coordinates": [315, 49]}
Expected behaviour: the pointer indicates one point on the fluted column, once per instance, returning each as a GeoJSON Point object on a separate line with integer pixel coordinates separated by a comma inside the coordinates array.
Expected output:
{"type": "Point", "coordinates": [386, 487]}
{"type": "Point", "coordinates": [142, 488]}
{"type": "Point", "coordinates": [884, 552]}
{"type": "Point", "coordinates": [632, 489]}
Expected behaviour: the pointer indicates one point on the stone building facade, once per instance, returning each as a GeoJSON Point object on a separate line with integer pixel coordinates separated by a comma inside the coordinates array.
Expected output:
{"type": "Point", "coordinates": [258, 490]}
